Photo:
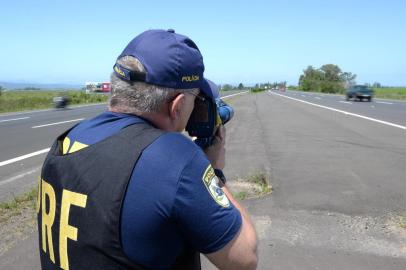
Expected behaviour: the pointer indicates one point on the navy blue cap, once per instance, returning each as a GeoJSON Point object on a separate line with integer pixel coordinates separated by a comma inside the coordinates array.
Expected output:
{"type": "Point", "coordinates": [170, 60]}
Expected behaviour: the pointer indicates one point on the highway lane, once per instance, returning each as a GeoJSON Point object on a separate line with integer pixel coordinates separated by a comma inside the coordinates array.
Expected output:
{"type": "Point", "coordinates": [364, 154]}
{"type": "Point", "coordinates": [18, 138]}
{"type": "Point", "coordinates": [393, 111]}
{"type": "Point", "coordinates": [338, 184]}
{"type": "Point", "coordinates": [32, 133]}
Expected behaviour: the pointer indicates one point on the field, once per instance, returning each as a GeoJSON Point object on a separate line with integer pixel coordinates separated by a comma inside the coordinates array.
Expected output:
{"type": "Point", "coordinates": [12, 101]}
{"type": "Point", "coordinates": [391, 92]}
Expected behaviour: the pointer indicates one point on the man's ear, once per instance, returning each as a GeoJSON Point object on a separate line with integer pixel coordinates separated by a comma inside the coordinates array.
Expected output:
{"type": "Point", "coordinates": [176, 106]}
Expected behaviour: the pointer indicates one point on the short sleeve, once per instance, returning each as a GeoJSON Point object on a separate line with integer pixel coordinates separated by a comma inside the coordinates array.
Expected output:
{"type": "Point", "coordinates": [205, 216]}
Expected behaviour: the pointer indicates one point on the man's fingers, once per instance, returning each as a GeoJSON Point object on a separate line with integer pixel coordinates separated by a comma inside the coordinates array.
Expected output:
{"type": "Point", "coordinates": [221, 132]}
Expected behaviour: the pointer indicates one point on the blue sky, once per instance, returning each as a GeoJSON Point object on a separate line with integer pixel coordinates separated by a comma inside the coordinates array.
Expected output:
{"type": "Point", "coordinates": [241, 41]}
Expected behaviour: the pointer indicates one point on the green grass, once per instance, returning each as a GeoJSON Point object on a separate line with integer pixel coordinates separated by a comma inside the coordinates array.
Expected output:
{"type": "Point", "coordinates": [391, 92]}
{"type": "Point", "coordinates": [257, 90]}
{"type": "Point", "coordinates": [253, 186]}
{"type": "Point", "coordinates": [241, 195]}
{"type": "Point", "coordinates": [17, 219]}
{"type": "Point", "coordinates": [402, 221]}
{"type": "Point", "coordinates": [17, 204]}
{"type": "Point", "coordinates": [12, 101]}
{"type": "Point", "coordinates": [261, 181]}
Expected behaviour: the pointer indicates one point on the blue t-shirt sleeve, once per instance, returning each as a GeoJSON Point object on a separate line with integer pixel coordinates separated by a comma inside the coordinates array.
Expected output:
{"type": "Point", "coordinates": [203, 212]}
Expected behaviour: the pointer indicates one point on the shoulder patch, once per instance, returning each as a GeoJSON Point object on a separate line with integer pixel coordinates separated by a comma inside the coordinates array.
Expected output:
{"type": "Point", "coordinates": [211, 182]}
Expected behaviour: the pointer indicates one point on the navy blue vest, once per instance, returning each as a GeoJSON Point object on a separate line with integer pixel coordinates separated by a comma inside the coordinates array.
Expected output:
{"type": "Point", "coordinates": [80, 201]}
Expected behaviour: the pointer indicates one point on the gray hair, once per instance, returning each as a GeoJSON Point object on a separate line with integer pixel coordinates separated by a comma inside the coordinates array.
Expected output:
{"type": "Point", "coordinates": [138, 97]}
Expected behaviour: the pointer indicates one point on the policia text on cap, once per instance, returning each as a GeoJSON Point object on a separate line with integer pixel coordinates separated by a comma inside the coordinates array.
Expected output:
{"type": "Point", "coordinates": [127, 190]}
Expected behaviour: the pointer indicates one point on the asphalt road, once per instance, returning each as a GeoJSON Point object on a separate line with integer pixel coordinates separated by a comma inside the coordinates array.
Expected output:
{"type": "Point", "coordinates": [24, 134]}
{"type": "Point", "coordinates": [393, 111]}
{"type": "Point", "coordinates": [339, 181]}
{"type": "Point", "coordinates": [338, 176]}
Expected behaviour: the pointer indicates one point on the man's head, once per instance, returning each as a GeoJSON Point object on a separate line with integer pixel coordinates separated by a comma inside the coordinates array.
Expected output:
{"type": "Point", "coordinates": [156, 76]}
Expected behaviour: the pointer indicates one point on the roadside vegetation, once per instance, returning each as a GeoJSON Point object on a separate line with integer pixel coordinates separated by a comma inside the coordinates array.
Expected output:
{"type": "Point", "coordinates": [402, 221]}
{"type": "Point", "coordinates": [17, 219]}
{"type": "Point", "coordinates": [331, 79]}
{"type": "Point", "coordinates": [257, 90]}
{"type": "Point", "coordinates": [391, 92]}
{"type": "Point", "coordinates": [21, 100]}
{"type": "Point", "coordinates": [15, 206]}
{"type": "Point", "coordinates": [229, 87]}
{"type": "Point", "coordinates": [396, 93]}
{"type": "Point", "coordinates": [326, 79]}
{"type": "Point", "coordinates": [253, 186]}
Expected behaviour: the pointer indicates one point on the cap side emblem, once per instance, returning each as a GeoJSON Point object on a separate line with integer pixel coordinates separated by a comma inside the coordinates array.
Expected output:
{"type": "Point", "coordinates": [119, 71]}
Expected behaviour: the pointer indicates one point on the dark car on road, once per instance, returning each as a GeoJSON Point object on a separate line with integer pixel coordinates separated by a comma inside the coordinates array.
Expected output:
{"type": "Point", "coordinates": [60, 102]}
{"type": "Point", "coordinates": [360, 92]}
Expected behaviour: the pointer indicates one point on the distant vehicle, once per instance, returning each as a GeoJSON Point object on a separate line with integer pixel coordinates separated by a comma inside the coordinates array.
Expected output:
{"type": "Point", "coordinates": [101, 87]}
{"type": "Point", "coordinates": [359, 92]}
{"type": "Point", "coordinates": [60, 102]}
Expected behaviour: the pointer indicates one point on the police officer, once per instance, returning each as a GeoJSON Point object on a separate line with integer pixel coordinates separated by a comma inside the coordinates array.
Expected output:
{"type": "Point", "coordinates": [127, 190]}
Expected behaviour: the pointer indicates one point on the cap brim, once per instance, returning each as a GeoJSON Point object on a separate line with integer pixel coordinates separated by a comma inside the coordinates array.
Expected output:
{"type": "Point", "coordinates": [210, 89]}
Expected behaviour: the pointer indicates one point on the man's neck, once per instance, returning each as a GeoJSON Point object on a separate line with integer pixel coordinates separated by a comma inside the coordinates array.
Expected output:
{"type": "Point", "coordinates": [156, 119]}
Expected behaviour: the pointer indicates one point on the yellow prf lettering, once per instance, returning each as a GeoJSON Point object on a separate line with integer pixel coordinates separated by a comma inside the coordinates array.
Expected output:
{"type": "Point", "coordinates": [65, 230]}
{"type": "Point", "coordinates": [47, 218]}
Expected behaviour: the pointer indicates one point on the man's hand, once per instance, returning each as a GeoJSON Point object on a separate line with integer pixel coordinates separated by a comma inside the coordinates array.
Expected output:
{"type": "Point", "coordinates": [216, 153]}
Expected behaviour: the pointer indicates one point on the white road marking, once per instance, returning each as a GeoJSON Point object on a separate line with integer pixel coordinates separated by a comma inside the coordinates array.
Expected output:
{"type": "Point", "coordinates": [58, 123]}
{"type": "Point", "coordinates": [15, 119]}
{"type": "Point", "coordinates": [383, 102]}
{"type": "Point", "coordinates": [317, 97]}
{"type": "Point", "coordinates": [47, 110]}
{"type": "Point", "coordinates": [14, 178]}
{"type": "Point", "coordinates": [234, 94]}
{"type": "Point", "coordinates": [303, 95]}
{"type": "Point", "coordinates": [346, 113]}
{"type": "Point", "coordinates": [6, 162]}
{"type": "Point", "coordinates": [346, 102]}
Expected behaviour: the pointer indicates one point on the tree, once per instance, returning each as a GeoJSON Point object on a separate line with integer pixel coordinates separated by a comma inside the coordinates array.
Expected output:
{"type": "Point", "coordinates": [328, 79]}
{"type": "Point", "coordinates": [332, 73]}
{"type": "Point", "coordinates": [1, 90]}
{"type": "Point", "coordinates": [377, 85]}
{"type": "Point", "coordinates": [311, 79]}
{"type": "Point", "coordinates": [240, 86]}
{"type": "Point", "coordinates": [227, 87]}
{"type": "Point", "coordinates": [349, 79]}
